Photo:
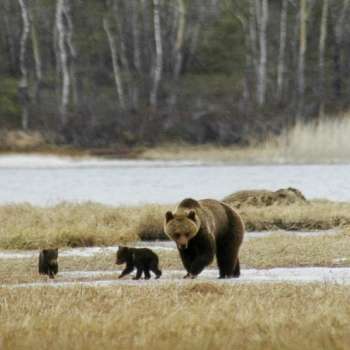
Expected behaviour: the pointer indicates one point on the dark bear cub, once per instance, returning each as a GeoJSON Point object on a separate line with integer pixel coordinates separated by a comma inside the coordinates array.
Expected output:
{"type": "Point", "coordinates": [48, 262]}
{"type": "Point", "coordinates": [145, 260]}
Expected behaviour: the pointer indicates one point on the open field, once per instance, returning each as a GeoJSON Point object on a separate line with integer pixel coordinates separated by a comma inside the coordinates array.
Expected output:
{"type": "Point", "coordinates": [24, 226]}
{"type": "Point", "coordinates": [195, 315]}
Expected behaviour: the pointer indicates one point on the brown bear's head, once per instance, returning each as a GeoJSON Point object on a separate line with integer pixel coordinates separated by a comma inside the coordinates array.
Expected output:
{"type": "Point", "coordinates": [122, 254]}
{"type": "Point", "coordinates": [181, 227]}
{"type": "Point", "coordinates": [51, 256]}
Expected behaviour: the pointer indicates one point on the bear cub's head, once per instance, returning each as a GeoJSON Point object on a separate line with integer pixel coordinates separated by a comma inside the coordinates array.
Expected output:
{"type": "Point", "coordinates": [51, 256]}
{"type": "Point", "coordinates": [181, 227]}
{"type": "Point", "coordinates": [122, 255]}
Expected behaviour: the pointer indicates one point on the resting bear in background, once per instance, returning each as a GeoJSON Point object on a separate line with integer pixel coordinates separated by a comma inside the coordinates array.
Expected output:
{"type": "Point", "coordinates": [48, 262]}
{"type": "Point", "coordinates": [203, 228]}
{"type": "Point", "coordinates": [145, 260]}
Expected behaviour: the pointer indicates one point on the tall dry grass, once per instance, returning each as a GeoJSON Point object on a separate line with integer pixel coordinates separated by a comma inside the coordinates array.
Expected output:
{"type": "Point", "coordinates": [25, 226]}
{"type": "Point", "coordinates": [324, 141]}
{"type": "Point", "coordinates": [193, 316]}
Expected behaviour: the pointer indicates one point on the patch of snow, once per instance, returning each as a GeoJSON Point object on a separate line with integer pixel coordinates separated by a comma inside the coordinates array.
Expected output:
{"type": "Point", "coordinates": [275, 275]}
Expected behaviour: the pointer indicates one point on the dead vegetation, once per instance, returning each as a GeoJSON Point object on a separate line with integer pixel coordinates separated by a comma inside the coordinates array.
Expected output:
{"type": "Point", "coordinates": [191, 316]}
{"type": "Point", "coordinates": [24, 226]}
{"type": "Point", "coordinates": [265, 198]}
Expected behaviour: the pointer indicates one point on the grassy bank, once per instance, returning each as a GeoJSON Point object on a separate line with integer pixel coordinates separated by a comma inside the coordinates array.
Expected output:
{"type": "Point", "coordinates": [89, 224]}
{"type": "Point", "coordinates": [324, 141]}
{"type": "Point", "coordinates": [193, 316]}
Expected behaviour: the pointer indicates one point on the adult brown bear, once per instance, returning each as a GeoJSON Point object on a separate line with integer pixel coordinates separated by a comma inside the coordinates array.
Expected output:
{"type": "Point", "coordinates": [203, 228]}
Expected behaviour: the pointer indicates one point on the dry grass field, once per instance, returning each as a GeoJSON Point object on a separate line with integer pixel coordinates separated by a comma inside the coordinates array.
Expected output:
{"type": "Point", "coordinates": [194, 315]}
{"type": "Point", "coordinates": [24, 226]}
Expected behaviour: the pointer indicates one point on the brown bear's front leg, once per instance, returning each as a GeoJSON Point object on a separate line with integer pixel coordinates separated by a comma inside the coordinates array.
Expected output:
{"type": "Point", "coordinates": [199, 264]}
{"type": "Point", "coordinates": [126, 271]}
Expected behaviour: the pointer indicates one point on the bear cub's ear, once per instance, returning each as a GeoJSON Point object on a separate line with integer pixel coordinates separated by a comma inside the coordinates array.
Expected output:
{"type": "Point", "coordinates": [168, 216]}
{"type": "Point", "coordinates": [192, 215]}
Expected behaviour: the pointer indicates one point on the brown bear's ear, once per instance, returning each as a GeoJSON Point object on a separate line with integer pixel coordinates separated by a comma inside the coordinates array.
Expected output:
{"type": "Point", "coordinates": [168, 216]}
{"type": "Point", "coordinates": [192, 215]}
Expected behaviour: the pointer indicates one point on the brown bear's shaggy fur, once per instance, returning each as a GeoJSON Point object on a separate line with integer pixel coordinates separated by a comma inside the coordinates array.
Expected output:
{"type": "Point", "coordinates": [203, 228]}
{"type": "Point", "coordinates": [145, 260]}
{"type": "Point", "coordinates": [48, 262]}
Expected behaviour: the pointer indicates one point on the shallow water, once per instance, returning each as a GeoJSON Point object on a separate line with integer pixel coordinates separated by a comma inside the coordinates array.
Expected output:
{"type": "Point", "coordinates": [303, 275]}
{"type": "Point", "coordinates": [44, 180]}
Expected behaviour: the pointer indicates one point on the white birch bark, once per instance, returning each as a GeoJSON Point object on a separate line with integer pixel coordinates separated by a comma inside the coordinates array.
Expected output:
{"type": "Point", "coordinates": [158, 64]}
{"type": "Point", "coordinates": [63, 59]}
{"type": "Point", "coordinates": [261, 86]}
{"type": "Point", "coordinates": [72, 52]}
{"type": "Point", "coordinates": [23, 83]}
{"type": "Point", "coordinates": [282, 47]}
{"type": "Point", "coordinates": [115, 64]}
{"type": "Point", "coordinates": [37, 58]}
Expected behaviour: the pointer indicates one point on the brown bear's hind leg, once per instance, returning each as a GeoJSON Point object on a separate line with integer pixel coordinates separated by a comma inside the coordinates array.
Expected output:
{"type": "Point", "coordinates": [226, 255]}
{"type": "Point", "coordinates": [146, 273]}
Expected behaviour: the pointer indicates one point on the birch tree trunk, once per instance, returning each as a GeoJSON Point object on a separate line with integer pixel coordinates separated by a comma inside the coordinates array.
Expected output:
{"type": "Point", "coordinates": [262, 24]}
{"type": "Point", "coordinates": [180, 38]}
{"type": "Point", "coordinates": [339, 28]}
{"type": "Point", "coordinates": [135, 17]}
{"type": "Point", "coordinates": [178, 48]}
{"type": "Point", "coordinates": [72, 52]}
{"type": "Point", "coordinates": [23, 83]}
{"type": "Point", "coordinates": [322, 45]}
{"type": "Point", "coordinates": [282, 47]}
{"type": "Point", "coordinates": [301, 60]}
{"type": "Point", "coordinates": [116, 68]}
{"type": "Point", "coordinates": [37, 60]}
{"type": "Point", "coordinates": [253, 36]}
{"type": "Point", "coordinates": [158, 64]}
{"type": "Point", "coordinates": [62, 51]}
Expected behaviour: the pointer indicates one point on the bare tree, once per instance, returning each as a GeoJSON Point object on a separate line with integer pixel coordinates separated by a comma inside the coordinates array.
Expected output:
{"type": "Point", "coordinates": [178, 48]}
{"type": "Point", "coordinates": [339, 19]}
{"type": "Point", "coordinates": [282, 47]}
{"type": "Point", "coordinates": [115, 63]}
{"type": "Point", "coordinates": [63, 59]}
{"type": "Point", "coordinates": [158, 62]}
{"type": "Point", "coordinates": [302, 51]}
{"type": "Point", "coordinates": [72, 52]}
{"type": "Point", "coordinates": [262, 18]}
{"type": "Point", "coordinates": [23, 83]}
{"type": "Point", "coordinates": [37, 57]}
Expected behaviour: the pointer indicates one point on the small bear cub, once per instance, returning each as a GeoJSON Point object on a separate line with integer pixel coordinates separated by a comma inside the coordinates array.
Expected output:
{"type": "Point", "coordinates": [48, 262]}
{"type": "Point", "coordinates": [145, 260]}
